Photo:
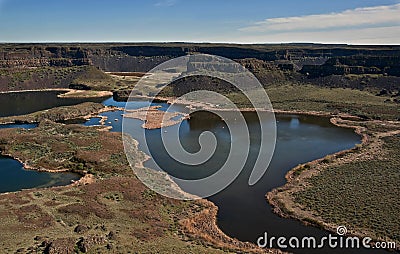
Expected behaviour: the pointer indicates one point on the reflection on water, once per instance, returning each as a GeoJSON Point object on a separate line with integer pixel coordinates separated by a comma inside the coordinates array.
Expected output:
{"type": "Point", "coordinates": [294, 123]}
{"type": "Point", "coordinates": [28, 102]}
{"type": "Point", "coordinates": [114, 118]}
{"type": "Point", "coordinates": [14, 177]}
{"type": "Point", "coordinates": [243, 212]}
{"type": "Point", "coordinates": [94, 121]}
{"type": "Point", "coordinates": [19, 125]}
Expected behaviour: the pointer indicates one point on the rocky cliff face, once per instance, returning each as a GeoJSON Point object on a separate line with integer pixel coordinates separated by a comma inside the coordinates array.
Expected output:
{"type": "Point", "coordinates": [270, 63]}
{"type": "Point", "coordinates": [126, 63]}
{"type": "Point", "coordinates": [41, 56]}
{"type": "Point", "coordinates": [359, 64]}
{"type": "Point", "coordinates": [314, 71]}
{"type": "Point", "coordinates": [143, 57]}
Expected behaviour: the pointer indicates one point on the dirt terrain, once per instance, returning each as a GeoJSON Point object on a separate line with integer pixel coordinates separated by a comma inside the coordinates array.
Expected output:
{"type": "Point", "coordinates": [367, 177]}
{"type": "Point", "coordinates": [154, 118]}
{"type": "Point", "coordinates": [109, 210]}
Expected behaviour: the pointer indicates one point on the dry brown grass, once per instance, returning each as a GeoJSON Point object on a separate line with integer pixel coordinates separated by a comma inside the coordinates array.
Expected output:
{"type": "Point", "coordinates": [117, 211]}
{"type": "Point", "coordinates": [356, 188]}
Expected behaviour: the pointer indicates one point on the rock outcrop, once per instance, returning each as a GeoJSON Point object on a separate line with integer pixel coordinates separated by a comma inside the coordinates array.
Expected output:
{"type": "Point", "coordinates": [272, 64]}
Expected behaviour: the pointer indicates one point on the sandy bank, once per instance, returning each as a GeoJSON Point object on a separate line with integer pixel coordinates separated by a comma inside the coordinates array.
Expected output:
{"type": "Point", "coordinates": [71, 93]}
{"type": "Point", "coordinates": [154, 118]}
{"type": "Point", "coordinates": [282, 198]}
{"type": "Point", "coordinates": [36, 90]}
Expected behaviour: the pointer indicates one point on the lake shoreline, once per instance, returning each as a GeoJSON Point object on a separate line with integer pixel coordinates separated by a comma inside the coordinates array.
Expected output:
{"type": "Point", "coordinates": [67, 92]}
{"type": "Point", "coordinates": [208, 106]}
{"type": "Point", "coordinates": [84, 111]}
{"type": "Point", "coordinates": [211, 213]}
{"type": "Point", "coordinates": [200, 226]}
{"type": "Point", "coordinates": [84, 177]}
{"type": "Point", "coordinates": [36, 90]}
{"type": "Point", "coordinates": [282, 198]}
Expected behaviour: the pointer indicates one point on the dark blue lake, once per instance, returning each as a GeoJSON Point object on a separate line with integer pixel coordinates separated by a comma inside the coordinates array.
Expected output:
{"type": "Point", "coordinates": [14, 177]}
{"type": "Point", "coordinates": [243, 212]}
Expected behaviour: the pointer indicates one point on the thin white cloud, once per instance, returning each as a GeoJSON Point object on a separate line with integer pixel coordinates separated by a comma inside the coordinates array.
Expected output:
{"type": "Point", "coordinates": [361, 36]}
{"type": "Point", "coordinates": [377, 16]}
{"type": "Point", "coordinates": [166, 3]}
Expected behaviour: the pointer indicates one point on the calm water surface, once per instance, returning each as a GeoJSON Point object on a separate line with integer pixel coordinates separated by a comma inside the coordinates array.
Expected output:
{"type": "Point", "coordinates": [28, 102]}
{"type": "Point", "coordinates": [243, 212]}
{"type": "Point", "coordinates": [14, 177]}
{"type": "Point", "coordinates": [19, 125]}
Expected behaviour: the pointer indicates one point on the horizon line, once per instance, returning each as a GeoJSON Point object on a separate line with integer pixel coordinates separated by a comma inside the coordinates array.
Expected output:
{"type": "Point", "coordinates": [194, 42]}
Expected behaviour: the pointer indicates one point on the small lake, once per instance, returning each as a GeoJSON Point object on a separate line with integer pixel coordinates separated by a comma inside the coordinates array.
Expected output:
{"type": "Point", "coordinates": [14, 177]}
{"type": "Point", "coordinates": [19, 125]}
{"type": "Point", "coordinates": [21, 103]}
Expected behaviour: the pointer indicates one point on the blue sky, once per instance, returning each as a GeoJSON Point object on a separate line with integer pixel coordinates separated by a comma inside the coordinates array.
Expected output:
{"type": "Point", "coordinates": [258, 21]}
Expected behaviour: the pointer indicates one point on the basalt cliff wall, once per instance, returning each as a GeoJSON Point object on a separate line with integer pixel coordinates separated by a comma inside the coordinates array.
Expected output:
{"type": "Point", "coordinates": [142, 57]}
{"type": "Point", "coordinates": [311, 63]}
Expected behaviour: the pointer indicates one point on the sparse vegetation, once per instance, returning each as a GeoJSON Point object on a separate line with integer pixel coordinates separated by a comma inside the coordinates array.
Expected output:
{"type": "Point", "coordinates": [58, 114]}
{"type": "Point", "coordinates": [358, 189]}
{"type": "Point", "coordinates": [87, 77]}
{"type": "Point", "coordinates": [363, 194]}
{"type": "Point", "coordinates": [314, 98]}
{"type": "Point", "coordinates": [114, 213]}
{"type": "Point", "coordinates": [118, 214]}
